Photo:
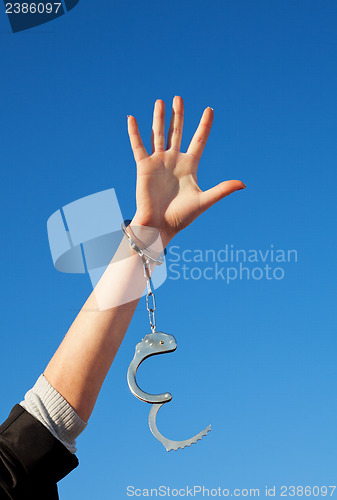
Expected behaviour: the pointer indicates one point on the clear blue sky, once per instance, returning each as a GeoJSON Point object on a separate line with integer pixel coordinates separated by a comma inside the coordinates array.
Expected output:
{"type": "Point", "coordinates": [256, 358]}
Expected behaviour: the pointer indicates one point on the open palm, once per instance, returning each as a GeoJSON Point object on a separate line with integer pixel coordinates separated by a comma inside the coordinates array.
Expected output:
{"type": "Point", "coordinates": [168, 196]}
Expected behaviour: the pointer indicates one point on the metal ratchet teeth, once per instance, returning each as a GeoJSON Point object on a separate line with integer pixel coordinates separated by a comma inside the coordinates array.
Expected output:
{"type": "Point", "coordinates": [169, 443]}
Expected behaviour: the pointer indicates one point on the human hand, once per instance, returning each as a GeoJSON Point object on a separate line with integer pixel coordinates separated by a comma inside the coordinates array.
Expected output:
{"type": "Point", "coordinates": [167, 194]}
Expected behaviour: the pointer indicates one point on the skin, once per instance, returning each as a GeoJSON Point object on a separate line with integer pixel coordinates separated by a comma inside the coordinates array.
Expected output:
{"type": "Point", "coordinates": [168, 199]}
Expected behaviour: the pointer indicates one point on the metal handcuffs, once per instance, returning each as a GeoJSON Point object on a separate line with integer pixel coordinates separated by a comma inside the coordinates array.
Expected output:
{"type": "Point", "coordinates": [153, 344]}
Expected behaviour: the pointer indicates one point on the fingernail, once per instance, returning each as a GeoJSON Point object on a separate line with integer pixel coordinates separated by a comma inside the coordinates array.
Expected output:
{"type": "Point", "coordinates": [211, 108]}
{"type": "Point", "coordinates": [244, 186]}
{"type": "Point", "coordinates": [129, 116]}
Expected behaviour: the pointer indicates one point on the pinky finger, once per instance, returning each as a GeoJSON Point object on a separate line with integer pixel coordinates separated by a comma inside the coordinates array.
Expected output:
{"type": "Point", "coordinates": [139, 151]}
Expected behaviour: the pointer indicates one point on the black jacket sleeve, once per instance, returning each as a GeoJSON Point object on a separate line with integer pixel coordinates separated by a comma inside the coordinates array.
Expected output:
{"type": "Point", "coordinates": [32, 460]}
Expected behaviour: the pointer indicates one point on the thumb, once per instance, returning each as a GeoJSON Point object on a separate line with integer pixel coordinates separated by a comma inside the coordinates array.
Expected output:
{"type": "Point", "coordinates": [216, 193]}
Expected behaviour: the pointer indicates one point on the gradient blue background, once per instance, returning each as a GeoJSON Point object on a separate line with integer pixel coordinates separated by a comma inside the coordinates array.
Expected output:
{"type": "Point", "coordinates": [256, 359]}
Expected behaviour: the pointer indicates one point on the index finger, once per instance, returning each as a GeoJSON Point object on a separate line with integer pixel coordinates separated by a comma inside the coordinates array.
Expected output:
{"type": "Point", "coordinates": [200, 137]}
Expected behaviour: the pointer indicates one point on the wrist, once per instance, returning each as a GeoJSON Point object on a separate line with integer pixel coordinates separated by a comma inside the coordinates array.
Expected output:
{"type": "Point", "coordinates": [146, 240]}
{"type": "Point", "coordinates": [147, 234]}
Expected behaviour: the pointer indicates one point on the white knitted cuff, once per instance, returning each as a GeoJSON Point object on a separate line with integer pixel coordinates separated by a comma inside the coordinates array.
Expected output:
{"type": "Point", "coordinates": [48, 406]}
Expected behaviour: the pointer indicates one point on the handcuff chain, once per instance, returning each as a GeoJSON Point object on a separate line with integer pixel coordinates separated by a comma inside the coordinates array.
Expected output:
{"type": "Point", "coordinates": [151, 310]}
{"type": "Point", "coordinates": [147, 259]}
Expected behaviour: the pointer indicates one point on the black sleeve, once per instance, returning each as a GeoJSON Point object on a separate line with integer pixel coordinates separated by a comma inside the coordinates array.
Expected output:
{"type": "Point", "coordinates": [32, 460]}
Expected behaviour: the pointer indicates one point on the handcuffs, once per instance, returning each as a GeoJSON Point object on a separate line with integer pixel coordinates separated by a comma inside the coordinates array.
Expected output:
{"type": "Point", "coordinates": [152, 344]}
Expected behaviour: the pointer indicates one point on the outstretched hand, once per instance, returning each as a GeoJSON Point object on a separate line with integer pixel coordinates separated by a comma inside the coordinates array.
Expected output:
{"type": "Point", "coordinates": [168, 196]}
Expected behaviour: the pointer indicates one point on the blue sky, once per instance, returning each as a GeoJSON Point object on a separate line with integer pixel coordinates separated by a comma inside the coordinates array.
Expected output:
{"type": "Point", "coordinates": [255, 358]}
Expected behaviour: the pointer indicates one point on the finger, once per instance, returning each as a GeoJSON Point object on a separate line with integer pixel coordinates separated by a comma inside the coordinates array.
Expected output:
{"type": "Point", "coordinates": [139, 151]}
{"type": "Point", "coordinates": [216, 193]}
{"type": "Point", "coordinates": [176, 126]}
{"type": "Point", "coordinates": [200, 137]}
{"type": "Point", "coordinates": [158, 127]}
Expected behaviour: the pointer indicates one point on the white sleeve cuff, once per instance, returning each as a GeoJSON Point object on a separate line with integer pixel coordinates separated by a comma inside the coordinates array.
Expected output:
{"type": "Point", "coordinates": [48, 406]}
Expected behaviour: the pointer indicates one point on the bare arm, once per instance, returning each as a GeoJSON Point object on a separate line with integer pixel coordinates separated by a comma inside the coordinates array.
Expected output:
{"type": "Point", "coordinates": [168, 199]}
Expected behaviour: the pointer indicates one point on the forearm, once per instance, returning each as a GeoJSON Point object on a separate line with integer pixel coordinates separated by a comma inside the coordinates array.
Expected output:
{"type": "Point", "coordinates": [81, 363]}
